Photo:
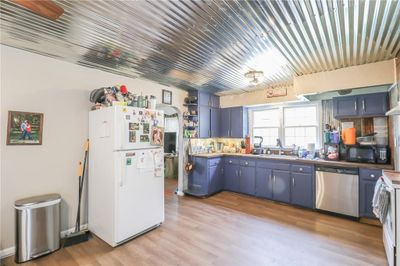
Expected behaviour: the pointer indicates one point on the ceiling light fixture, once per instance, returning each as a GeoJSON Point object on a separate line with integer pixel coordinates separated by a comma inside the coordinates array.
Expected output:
{"type": "Point", "coordinates": [254, 77]}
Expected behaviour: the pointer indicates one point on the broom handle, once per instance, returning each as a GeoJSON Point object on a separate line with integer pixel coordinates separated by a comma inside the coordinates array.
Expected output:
{"type": "Point", "coordinates": [78, 215]}
{"type": "Point", "coordinates": [86, 148]}
{"type": "Point", "coordinates": [81, 174]}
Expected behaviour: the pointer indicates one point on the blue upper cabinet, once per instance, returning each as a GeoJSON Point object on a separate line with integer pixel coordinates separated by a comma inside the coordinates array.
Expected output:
{"type": "Point", "coordinates": [345, 107]}
{"type": "Point", "coordinates": [237, 123]}
{"type": "Point", "coordinates": [225, 122]}
{"type": "Point", "coordinates": [215, 122]}
{"type": "Point", "coordinates": [208, 114]}
{"type": "Point", "coordinates": [204, 98]}
{"type": "Point", "coordinates": [214, 100]}
{"type": "Point", "coordinates": [375, 104]}
{"type": "Point", "coordinates": [208, 99]}
{"type": "Point", "coordinates": [367, 105]}
{"type": "Point", "coordinates": [204, 122]}
{"type": "Point", "coordinates": [233, 122]}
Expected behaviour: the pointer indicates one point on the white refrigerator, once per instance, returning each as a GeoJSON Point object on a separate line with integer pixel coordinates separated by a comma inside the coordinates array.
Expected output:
{"type": "Point", "coordinates": [126, 172]}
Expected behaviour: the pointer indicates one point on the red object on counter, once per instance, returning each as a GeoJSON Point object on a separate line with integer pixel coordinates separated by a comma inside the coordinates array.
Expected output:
{"type": "Point", "coordinates": [123, 89]}
{"type": "Point", "coordinates": [248, 145]}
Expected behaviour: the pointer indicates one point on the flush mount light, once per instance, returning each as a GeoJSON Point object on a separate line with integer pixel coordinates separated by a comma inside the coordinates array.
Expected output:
{"type": "Point", "coordinates": [254, 77]}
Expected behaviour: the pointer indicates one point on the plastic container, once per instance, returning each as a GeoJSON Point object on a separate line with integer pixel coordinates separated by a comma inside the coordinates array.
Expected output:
{"type": "Point", "coordinates": [349, 136]}
{"type": "Point", "coordinates": [37, 226]}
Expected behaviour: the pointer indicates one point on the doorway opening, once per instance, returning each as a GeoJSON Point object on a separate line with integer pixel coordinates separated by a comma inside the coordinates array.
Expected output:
{"type": "Point", "coordinates": [173, 145]}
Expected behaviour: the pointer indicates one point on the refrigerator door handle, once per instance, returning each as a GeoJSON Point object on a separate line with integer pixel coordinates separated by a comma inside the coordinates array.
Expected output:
{"type": "Point", "coordinates": [123, 171]}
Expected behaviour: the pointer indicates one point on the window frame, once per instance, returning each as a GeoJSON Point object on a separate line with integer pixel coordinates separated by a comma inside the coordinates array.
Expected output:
{"type": "Point", "coordinates": [281, 128]}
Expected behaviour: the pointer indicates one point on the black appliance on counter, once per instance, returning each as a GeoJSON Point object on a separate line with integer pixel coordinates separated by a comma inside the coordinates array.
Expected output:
{"type": "Point", "coordinates": [257, 145]}
{"type": "Point", "coordinates": [367, 154]}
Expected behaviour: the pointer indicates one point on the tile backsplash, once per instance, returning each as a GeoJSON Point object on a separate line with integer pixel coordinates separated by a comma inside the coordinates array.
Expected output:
{"type": "Point", "coordinates": [215, 145]}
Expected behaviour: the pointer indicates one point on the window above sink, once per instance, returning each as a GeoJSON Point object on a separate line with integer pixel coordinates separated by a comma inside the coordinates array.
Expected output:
{"type": "Point", "coordinates": [296, 124]}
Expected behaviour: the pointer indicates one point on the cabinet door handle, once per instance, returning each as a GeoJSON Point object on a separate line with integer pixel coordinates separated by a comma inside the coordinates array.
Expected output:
{"type": "Point", "coordinates": [270, 176]}
{"type": "Point", "coordinates": [247, 163]}
{"type": "Point", "coordinates": [240, 172]}
{"type": "Point", "coordinates": [355, 106]}
{"type": "Point", "coordinates": [363, 104]}
{"type": "Point", "coordinates": [237, 174]}
{"type": "Point", "coordinates": [300, 169]}
{"type": "Point", "coordinates": [372, 176]}
{"type": "Point", "coordinates": [293, 181]}
{"type": "Point", "coordinates": [274, 179]}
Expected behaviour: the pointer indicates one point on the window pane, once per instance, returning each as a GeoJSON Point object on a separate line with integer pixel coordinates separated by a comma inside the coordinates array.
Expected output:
{"type": "Point", "coordinates": [266, 118]}
{"type": "Point", "coordinates": [300, 116]}
{"type": "Point", "coordinates": [300, 136]}
{"type": "Point", "coordinates": [269, 135]}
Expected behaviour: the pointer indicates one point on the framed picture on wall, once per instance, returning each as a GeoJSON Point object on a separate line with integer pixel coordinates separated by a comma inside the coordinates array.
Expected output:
{"type": "Point", "coordinates": [166, 97]}
{"type": "Point", "coordinates": [24, 128]}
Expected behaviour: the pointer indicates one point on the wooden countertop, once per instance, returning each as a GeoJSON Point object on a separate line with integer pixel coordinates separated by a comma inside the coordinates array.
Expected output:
{"type": "Point", "coordinates": [393, 176]}
{"type": "Point", "coordinates": [295, 159]}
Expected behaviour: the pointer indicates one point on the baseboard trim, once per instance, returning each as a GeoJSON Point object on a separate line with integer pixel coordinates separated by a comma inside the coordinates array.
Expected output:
{"type": "Point", "coordinates": [7, 252]}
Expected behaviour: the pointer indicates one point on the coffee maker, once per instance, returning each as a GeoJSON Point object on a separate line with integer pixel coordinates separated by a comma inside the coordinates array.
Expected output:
{"type": "Point", "coordinates": [258, 140]}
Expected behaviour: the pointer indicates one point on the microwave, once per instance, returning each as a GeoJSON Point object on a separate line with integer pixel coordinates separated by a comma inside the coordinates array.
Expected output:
{"type": "Point", "coordinates": [368, 154]}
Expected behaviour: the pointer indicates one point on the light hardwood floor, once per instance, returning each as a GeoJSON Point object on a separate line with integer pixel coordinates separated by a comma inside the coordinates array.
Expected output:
{"type": "Point", "coordinates": [232, 229]}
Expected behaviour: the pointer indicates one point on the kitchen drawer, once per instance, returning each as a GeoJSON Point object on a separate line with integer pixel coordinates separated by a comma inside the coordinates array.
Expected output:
{"type": "Point", "coordinates": [214, 161]}
{"type": "Point", "coordinates": [370, 174]}
{"type": "Point", "coordinates": [231, 160]}
{"type": "Point", "coordinates": [263, 163]}
{"type": "Point", "coordinates": [247, 163]}
{"type": "Point", "coordinates": [280, 166]}
{"type": "Point", "coordinates": [299, 168]}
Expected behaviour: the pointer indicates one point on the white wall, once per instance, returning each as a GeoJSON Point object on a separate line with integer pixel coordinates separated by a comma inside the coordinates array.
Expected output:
{"type": "Point", "coordinates": [345, 78]}
{"type": "Point", "coordinates": [60, 90]}
{"type": "Point", "coordinates": [366, 75]}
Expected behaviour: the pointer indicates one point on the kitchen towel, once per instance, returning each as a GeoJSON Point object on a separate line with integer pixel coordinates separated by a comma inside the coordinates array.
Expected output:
{"type": "Point", "coordinates": [380, 201]}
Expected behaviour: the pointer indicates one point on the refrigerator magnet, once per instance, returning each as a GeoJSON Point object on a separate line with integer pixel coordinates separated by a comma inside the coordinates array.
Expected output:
{"type": "Point", "coordinates": [146, 128]}
{"type": "Point", "coordinates": [132, 136]}
{"type": "Point", "coordinates": [144, 138]}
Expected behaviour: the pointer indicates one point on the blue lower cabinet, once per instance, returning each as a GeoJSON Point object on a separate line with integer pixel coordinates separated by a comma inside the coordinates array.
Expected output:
{"type": "Point", "coordinates": [247, 180]}
{"type": "Point", "coordinates": [216, 181]}
{"type": "Point", "coordinates": [367, 189]}
{"type": "Point", "coordinates": [368, 178]}
{"type": "Point", "coordinates": [231, 177]}
{"type": "Point", "coordinates": [197, 179]}
{"type": "Point", "coordinates": [281, 186]}
{"type": "Point", "coordinates": [302, 189]}
{"type": "Point", "coordinates": [263, 183]}
{"type": "Point", "coordinates": [206, 177]}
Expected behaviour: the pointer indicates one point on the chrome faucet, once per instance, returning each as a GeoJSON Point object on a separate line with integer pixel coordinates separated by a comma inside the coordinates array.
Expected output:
{"type": "Point", "coordinates": [279, 144]}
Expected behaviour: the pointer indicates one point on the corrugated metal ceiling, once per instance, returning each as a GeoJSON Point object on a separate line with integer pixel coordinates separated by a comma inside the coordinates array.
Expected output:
{"type": "Point", "coordinates": [210, 44]}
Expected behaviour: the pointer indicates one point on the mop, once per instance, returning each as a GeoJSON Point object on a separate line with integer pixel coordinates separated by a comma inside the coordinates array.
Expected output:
{"type": "Point", "coordinates": [79, 235]}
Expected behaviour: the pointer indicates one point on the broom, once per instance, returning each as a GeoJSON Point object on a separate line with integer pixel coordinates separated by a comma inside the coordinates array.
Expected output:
{"type": "Point", "coordinates": [79, 235]}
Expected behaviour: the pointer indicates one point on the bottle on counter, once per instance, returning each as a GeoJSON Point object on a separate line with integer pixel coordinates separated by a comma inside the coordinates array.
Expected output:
{"type": "Point", "coordinates": [152, 102]}
{"type": "Point", "coordinates": [248, 144]}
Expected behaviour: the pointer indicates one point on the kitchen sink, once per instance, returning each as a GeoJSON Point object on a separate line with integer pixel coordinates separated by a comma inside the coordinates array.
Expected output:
{"type": "Point", "coordinates": [276, 156]}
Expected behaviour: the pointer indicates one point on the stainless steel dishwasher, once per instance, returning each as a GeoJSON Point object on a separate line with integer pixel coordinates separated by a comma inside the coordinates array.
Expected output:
{"type": "Point", "coordinates": [337, 190]}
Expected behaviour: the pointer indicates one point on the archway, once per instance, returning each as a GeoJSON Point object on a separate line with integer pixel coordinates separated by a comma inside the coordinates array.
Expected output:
{"type": "Point", "coordinates": [169, 109]}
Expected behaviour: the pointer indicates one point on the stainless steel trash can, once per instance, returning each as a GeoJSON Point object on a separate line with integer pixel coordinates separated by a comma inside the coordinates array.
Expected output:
{"type": "Point", "coordinates": [37, 226]}
{"type": "Point", "coordinates": [171, 166]}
